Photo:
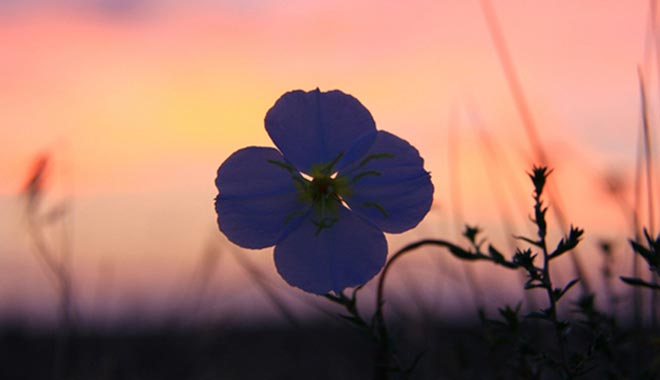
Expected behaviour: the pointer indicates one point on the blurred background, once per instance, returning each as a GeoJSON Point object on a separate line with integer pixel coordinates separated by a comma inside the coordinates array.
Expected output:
{"type": "Point", "coordinates": [115, 114]}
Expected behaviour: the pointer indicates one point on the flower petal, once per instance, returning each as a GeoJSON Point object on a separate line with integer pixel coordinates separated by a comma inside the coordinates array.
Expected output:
{"type": "Point", "coordinates": [394, 192]}
{"type": "Point", "coordinates": [256, 198]}
{"type": "Point", "coordinates": [314, 128]}
{"type": "Point", "coordinates": [347, 254]}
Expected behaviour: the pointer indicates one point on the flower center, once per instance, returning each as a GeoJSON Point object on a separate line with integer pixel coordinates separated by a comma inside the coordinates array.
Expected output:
{"type": "Point", "coordinates": [325, 193]}
{"type": "Point", "coordinates": [327, 189]}
{"type": "Point", "coordinates": [322, 187]}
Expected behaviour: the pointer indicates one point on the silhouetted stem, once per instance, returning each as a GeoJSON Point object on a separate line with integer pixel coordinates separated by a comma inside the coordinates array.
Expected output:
{"type": "Point", "coordinates": [387, 360]}
{"type": "Point", "coordinates": [547, 285]}
{"type": "Point", "coordinates": [58, 272]}
{"type": "Point", "coordinates": [539, 212]}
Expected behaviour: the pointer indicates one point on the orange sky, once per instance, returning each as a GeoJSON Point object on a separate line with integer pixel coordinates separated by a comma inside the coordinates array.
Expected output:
{"type": "Point", "coordinates": [138, 107]}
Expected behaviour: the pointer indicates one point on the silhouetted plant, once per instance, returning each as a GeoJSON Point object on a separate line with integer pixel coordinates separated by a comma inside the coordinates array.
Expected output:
{"type": "Point", "coordinates": [56, 263]}
{"type": "Point", "coordinates": [325, 204]}
{"type": "Point", "coordinates": [646, 348]}
{"type": "Point", "coordinates": [532, 355]}
{"type": "Point", "coordinates": [650, 252]}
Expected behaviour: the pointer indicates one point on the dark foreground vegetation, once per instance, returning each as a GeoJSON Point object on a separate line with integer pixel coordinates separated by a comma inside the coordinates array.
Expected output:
{"type": "Point", "coordinates": [315, 351]}
{"type": "Point", "coordinates": [565, 336]}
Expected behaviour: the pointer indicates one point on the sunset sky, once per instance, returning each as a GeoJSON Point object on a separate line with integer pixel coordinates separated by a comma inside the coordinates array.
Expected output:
{"type": "Point", "coordinates": [137, 103]}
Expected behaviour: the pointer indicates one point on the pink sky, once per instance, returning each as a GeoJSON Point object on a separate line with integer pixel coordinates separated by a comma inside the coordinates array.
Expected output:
{"type": "Point", "coordinates": [139, 106]}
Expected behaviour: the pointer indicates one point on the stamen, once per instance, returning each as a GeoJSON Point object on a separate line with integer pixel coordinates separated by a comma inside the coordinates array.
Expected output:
{"type": "Point", "coordinates": [292, 215]}
{"type": "Point", "coordinates": [295, 175]}
{"type": "Point", "coordinates": [375, 156]}
{"type": "Point", "coordinates": [283, 165]}
{"type": "Point", "coordinates": [364, 174]}
{"type": "Point", "coordinates": [328, 169]}
{"type": "Point", "coordinates": [324, 223]}
{"type": "Point", "coordinates": [378, 207]}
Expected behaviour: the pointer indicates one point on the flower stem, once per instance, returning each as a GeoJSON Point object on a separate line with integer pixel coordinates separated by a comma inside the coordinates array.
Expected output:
{"type": "Point", "coordinates": [387, 360]}
{"type": "Point", "coordinates": [552, 311]}
{"type": "Point", "coordinates": [539, 177]}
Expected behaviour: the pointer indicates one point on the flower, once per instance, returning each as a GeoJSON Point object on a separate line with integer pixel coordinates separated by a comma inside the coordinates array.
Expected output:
{"type": "Point", "coordinates": [325, 196]}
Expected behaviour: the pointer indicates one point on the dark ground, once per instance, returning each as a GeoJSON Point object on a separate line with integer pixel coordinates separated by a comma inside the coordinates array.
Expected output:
{"type": "Point", "coordinates": [314, 351]}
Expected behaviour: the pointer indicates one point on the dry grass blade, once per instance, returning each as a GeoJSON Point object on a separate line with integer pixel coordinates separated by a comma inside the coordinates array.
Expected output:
{"type": "Point", "coordinates": [260, 280]}
{"type": "Point", "coordinates": [648, 160]}
{"type": "Point", "coordinates": [531, 130]}
{"type": "Point", "coordinates": [457, 205]}
{"type": "Point", "coordinates": [491, 155]}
